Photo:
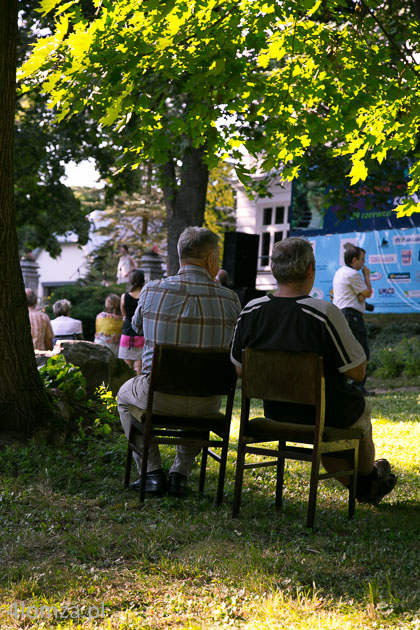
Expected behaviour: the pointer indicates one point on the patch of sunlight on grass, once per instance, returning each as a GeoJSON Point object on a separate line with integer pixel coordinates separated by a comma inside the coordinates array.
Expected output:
{"type": "Point", "coordinates": [307, 612]}
{"type": "Point", "coordinates": [395, 440]}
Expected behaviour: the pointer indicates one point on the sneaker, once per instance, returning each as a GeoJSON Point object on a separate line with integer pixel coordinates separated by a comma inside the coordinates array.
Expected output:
{"type": "Point", "coordinates": [383, 468]}
{"type": "Point", "coordinates": [379, 489]}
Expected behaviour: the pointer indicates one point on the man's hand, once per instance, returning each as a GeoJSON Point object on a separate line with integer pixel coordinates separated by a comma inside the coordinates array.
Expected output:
{"type": "Point", "coordinates": [367, 292]}
{"type": "Point", "coordinates": [357, 373]}
{"type": "Point", "coordinates": [366, 272]}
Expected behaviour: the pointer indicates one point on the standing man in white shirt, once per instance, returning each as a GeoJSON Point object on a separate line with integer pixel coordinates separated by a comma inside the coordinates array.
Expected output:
{"type": "Point", "coordinates": [351, 288]}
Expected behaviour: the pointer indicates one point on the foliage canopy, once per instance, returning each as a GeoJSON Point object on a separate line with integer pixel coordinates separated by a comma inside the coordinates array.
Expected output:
{"type": "Point", "coordinates": [278, 78]}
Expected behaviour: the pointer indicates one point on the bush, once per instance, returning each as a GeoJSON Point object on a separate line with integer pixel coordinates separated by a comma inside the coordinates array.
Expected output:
{"type": "Point", "coordinates": [399, 358]}
{"type": "Point", "coordinates": [66, 377]}
{"type": "Point", "coordinates": [392, 333]}
{"type": "Point", "coordinates": [97, 416]}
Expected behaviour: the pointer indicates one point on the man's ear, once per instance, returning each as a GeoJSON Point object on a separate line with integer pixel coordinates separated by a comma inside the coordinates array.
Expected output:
{"type": "Point", "coordinates": [209, 260]}
{"type": "Point", "coordinates": [310, 270]}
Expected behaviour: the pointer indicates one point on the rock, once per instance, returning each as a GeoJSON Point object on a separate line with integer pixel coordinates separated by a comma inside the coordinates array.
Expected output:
{"type": "Point", "coordinates": [97, 363]}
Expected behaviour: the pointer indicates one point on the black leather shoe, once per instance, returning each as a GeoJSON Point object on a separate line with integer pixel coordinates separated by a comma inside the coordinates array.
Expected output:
{"type": "Point", "coordinates": [177, 484]}
{"type": "Point", "coordinates": [155, 482]}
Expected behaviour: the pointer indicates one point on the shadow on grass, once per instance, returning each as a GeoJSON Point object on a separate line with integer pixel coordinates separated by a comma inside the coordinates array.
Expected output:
{"type": "Point", "coordinates": [70, 532]}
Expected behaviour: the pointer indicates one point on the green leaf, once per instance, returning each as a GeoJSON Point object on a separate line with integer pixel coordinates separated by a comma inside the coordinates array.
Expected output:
{"type": "Point", "coordinates": [358, 172]}
{"type": "Point", "coordinates": [47, 6]}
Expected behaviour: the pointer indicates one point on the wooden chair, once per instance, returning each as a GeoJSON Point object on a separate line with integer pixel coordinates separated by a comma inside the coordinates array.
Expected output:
{"type": "Point", "coordinates": [186, 372]}
{"type": "Point", "coordinates": [293, 378]}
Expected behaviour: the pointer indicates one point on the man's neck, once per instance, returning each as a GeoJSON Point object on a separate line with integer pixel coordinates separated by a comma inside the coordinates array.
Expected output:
{"type": "Point", "coordinates": [291, 290]}
{"type": "Point", "coordinates": [195, 262]}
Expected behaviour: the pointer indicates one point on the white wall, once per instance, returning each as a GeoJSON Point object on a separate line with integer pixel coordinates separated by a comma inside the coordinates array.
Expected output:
{"type": "Point", "coordinates": [71, 265]}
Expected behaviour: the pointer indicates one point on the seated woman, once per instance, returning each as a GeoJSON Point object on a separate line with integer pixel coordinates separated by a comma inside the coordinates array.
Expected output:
{"type": "Point", "coordinates": [131, 344]}
{"type": "Point", "coordinates": [109, 324]}
{"type": "Point", "coordinates": [64, 326]}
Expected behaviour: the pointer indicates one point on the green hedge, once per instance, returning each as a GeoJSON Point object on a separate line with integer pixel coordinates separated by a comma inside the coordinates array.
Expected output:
{"type": "Point", "coordinates": [394, 341]}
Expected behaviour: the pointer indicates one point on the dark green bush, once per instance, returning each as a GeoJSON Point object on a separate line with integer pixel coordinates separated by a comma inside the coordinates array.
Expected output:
{"type": "Point", "coordinates": [68, 378]}
{"type": "Point", "coordinates": [99, 415]}
{"type": "Point", "coordinates": [396, 359]}
{"type": "Point", "coordinates": [393, 333]}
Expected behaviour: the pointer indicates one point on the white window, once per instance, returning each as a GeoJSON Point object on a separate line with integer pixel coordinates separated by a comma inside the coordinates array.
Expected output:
{"type": "Point", "coordinates": [274, 226]}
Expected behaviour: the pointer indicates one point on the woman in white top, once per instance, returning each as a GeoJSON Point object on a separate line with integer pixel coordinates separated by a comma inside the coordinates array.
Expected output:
{"type": "Point", "coordinates": [64, 326]}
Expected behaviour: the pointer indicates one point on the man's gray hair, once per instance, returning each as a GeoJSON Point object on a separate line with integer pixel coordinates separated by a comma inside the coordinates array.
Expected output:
{"type": "Point", "coordinates": [61, 307]}
{"type": "Point", "coordinates": [196, 242]}
{"type": "Point", "coordinates": [31, 297]}
{"type": "Point", "coordinates": [290, 260]}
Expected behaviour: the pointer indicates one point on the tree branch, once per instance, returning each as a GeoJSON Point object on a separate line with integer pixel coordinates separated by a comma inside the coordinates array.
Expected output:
{"type": "Point", "coordinates": [400, 50]}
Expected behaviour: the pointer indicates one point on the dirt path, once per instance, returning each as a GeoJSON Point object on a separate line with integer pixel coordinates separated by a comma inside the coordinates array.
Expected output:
{"type": "Point", "coordinates": [389, 390]}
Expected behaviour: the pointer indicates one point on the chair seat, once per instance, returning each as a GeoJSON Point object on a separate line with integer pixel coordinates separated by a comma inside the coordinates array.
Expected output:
{"type": "Point", "coordinates": [274, 430]}
{"type": "Point", "coordinates": [213, 422]}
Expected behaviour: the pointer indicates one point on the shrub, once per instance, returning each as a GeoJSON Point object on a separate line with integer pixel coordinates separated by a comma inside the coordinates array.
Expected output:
{"type": "Point", "coordinates": [393, 333]}
{"type": "Point", "coordinates": [68, 378]}
{"type": "Point", "coordinates": [399, 358]}
{"type": "Point", "coordinates": [97, 416]}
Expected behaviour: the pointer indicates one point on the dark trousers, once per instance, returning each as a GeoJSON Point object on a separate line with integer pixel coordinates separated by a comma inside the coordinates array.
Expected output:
{"type": "Point", "coordinates": [358, 328]}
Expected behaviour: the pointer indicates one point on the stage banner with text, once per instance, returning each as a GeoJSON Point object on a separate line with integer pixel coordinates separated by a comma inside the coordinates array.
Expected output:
{"type": "Point", "coordinates": [393, 257]}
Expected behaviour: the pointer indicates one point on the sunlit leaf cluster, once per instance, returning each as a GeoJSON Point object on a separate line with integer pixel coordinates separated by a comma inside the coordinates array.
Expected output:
{"type": "Point", "coordinates": [276, 78]}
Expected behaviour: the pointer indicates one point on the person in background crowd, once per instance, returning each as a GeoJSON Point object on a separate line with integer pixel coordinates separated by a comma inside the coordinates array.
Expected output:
{"type": "Point", "coordinates": [109, 324]}
{"type": "Point", "coordinates": [222, 277]}
{"type": "Point", "coordinates": [351, 288]}
{"type": "Point", "coordinates": [41, 331]}
{"type": "Point", "coordinates": [64, 326]}
{"type": "Point", "coordinates": [126, 264]}
{"type": "Point", "coordinates": [131, 343]}
{"type": "Point", "coordinates": [188, 309]}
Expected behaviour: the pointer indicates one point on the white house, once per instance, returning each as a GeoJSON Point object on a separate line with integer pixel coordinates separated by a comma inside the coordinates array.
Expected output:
{"type": "Point", "coordinates": [73, 262]}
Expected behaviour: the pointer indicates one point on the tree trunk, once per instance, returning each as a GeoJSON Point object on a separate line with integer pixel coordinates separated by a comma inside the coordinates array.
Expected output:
{"type": "Point", "coordinates": [185, 201]}
{"type": "Point", "coordinates": [23, 400]}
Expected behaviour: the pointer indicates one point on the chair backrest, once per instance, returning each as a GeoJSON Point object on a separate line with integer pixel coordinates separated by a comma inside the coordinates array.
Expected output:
{"type": "Point", "coordinates": [294, 377]}
{"type": "Point", "coordinates": [192, 371]}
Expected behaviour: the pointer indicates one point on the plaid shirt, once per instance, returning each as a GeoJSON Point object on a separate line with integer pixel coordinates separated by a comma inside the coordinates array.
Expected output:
{"type": "Point", "coordinates": [41, 330]}
{"type": "Point", "coordinates": [189, 309]}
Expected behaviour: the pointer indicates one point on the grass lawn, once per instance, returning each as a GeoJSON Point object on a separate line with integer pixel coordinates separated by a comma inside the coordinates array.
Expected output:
{"type": "Point", "coordinates": [77, 551]}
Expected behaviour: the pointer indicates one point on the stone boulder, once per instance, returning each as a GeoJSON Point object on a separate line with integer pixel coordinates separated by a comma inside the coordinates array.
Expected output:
{"type": "Point", "coordinates": [97, 363]}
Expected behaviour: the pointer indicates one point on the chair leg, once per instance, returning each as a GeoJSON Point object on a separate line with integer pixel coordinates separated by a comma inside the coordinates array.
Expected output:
{"type": "Point", "coordinates": [222, 472]}
{"type": "Point", "coordinates": [203, 469]}
{"type": "Point", "coordinates": [128, 460]}
{"type": "Point", "coordinates": [238, 480]}
{"type": "Point", "coordinates": [280, 477]}
{"type": "Point", "coordinates": [353, 482]}
{"type": "Point", "coordinates": [313, 489]}
{"type": "Point", "coordinates": [144, 460]}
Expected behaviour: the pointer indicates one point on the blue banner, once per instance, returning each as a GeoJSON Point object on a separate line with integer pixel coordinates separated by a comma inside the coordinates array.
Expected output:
{"type": "Point", "coordinates": [311, 216]}
{"type": "Point", "coordinates": [393, 258]}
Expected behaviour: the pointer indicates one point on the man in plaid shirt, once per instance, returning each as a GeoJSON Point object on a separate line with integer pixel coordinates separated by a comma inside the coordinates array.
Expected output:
{"type": "Point", "coordinates": [41, 331]}
{"type": "Point", "coordinates": [189, 309]}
